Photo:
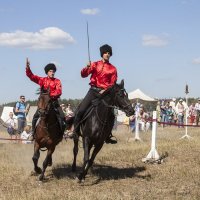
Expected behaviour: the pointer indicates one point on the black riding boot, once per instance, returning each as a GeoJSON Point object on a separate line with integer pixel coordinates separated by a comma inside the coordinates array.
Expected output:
{"type": "Point", "coordinates": [34, 121]}
{"type": "Point", "coordinates": [60, 117]}
{"type": "Point", "coordinates": [109, 139]}
{"type": "Point", "coordinates": [62, 123]}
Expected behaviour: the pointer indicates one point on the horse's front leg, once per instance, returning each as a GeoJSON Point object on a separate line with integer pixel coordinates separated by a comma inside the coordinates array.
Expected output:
{"type": "Point", "coordinates": [35, 158]}
{"type": "Point", "coordinates": [87, 147]}
{"type": "Point", "coordinates": [90, 162]}
{"type": "Point", "coordinates": [75, 151]}
{"type": "Point", "coordinates": [46, 162]}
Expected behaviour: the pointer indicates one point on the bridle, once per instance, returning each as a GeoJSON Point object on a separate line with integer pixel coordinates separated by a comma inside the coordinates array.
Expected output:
{"type": "Point", "coordinates": [122, 90]}
{"type": "Point", "coordinates": [43, 112]}
{"type": "Point", "coordinates": [113, 105]}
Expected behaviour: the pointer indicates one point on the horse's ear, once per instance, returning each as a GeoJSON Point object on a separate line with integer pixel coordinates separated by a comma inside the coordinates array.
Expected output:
{"type": "Point", "coordinates": [122, 83]}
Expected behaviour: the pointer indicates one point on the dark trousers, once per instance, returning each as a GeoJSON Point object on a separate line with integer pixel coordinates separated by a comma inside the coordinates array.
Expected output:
{"type": "Point", "coordinates": [21, 124]}
{"type": "Point", "coordinates": [84, 105]}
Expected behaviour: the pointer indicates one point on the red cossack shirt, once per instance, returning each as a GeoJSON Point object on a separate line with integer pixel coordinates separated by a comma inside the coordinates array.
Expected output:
{"type": "Point", "coordinates": [103, 74]}
{"type": "Point", "coordinates": [53, 83]}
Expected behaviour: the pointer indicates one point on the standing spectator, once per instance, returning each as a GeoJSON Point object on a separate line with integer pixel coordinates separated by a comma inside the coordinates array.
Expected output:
{"type": "Point", "coordinates": [69, 111]}
{"type": "Point", "coordinates": [192, 114]}
{"type": "Point", "coordinates": [137, 108]}
{"type": "Point", "coordinates": [158, 112]}
{"type": "Point", "coordinates": [172, 103]}
{"type": "Point", "coordinates": [170, 114]}
{"type": "Point", "coordinates": [132, 123]}
{"type": "Point", "coordinates": [11, 129]}
{"type": "Point", "coordinates": [63, 109]}
{"type": "Point", "coordinates": [180, 112]}
{"type": "Point", "coordinates": [163, 113]}
{"type": "Point", "coordinates": [197, 107]}
{"type": "Point", "coordinates": [143, 120]}
{"type": "Point", "coordinates": [69, 114]}
{"type": "Point", "coordinates": [21, 111]}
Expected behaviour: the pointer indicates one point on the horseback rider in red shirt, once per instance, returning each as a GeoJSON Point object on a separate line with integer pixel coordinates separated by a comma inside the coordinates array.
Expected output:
{"type": "Point", "coordinates": [103, 76]}
{"type": "Point", "coordinates": [55, 87]}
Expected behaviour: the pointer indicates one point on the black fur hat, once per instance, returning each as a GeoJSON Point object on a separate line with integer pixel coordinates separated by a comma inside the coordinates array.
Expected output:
{"type": "Point", "coordinates": [105, 48]}
{"type": "Point", "coordinates": [50, 66]}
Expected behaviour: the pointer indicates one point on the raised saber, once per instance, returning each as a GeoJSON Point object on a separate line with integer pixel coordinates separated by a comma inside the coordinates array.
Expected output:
{"type": "Point", "coordinates": [88, 43]}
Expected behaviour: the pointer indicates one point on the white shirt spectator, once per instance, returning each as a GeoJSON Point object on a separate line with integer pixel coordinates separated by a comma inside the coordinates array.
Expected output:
{"type": "Point", "coordinates": [25, 136]}
{"type": "Point", "coordinates": [173, 104]}
{"type": "Point", "coordinates": [11, 122]}
{"type": "Point", "coordinates": [197, 106]}
{"type": "Point", "coordinates": [180, 107]}
{"type": "Point", "coordinates": [69, 112]}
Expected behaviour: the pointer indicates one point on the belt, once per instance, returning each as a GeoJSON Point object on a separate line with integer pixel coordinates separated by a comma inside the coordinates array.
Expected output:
{"type": "Point", "coordinates": [97, 89]}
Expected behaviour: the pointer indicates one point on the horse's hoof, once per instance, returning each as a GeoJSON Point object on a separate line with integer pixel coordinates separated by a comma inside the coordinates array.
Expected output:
{"type": "Point", "coordinates": [41, 177]}
{"type": "Point", "coordinates": [82, 180]}
{"type": "Point", "coordinates": [38, 170]}
{"type": "Point", "coordinates": [78, 180]}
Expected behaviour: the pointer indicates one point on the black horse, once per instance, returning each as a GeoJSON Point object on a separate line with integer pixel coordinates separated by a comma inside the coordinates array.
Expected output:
{"type": "Point", "coordinates": [98, 123]}
{"type": "Point", "coordinates": [48, 132]}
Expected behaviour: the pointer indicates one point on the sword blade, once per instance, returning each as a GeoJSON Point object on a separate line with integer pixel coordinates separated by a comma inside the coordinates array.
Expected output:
{"type": "Point", "coordinates": [88, 42]}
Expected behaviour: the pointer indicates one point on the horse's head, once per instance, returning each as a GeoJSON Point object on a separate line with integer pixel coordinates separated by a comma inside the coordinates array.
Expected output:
{"type": "Point", "coordinates": [121, 99]}
{"type": "Point", "coordinates": [44, 102]}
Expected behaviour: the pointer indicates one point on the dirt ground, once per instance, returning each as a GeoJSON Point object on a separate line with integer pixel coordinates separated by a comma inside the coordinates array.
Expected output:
{"type": "Point", "coordinates": [118, 171]}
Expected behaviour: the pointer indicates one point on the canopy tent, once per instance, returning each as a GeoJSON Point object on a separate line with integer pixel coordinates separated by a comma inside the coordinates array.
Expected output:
{"type": "Point", "coordinates": [138, 94]}
{"type": "Point", "coordinates": [7, 110]}
{"type": "Point", "coordinates": [5, 113]}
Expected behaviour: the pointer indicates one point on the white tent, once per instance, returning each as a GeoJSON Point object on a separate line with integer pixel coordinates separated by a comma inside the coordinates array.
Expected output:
{"type": "Point", "coordinates": [7, 110]}
{"type": "Point", "coordinates": [5, 113]}
{"type": "Point", "coordinates": [138, 94]}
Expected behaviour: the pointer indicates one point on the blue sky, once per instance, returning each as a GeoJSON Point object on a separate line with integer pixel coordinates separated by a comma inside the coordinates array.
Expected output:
{"type": "Point", "coordinates": [156, 44]}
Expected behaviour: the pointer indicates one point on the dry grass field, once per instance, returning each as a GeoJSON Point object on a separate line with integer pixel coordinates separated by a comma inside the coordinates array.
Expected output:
{"type": "Point", "coordinates": [118, 171]}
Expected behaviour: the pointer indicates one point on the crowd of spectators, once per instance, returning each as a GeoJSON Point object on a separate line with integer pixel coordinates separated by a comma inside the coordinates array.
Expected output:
{"type": "Point", "coordinates": [169, 112]}
{"type": "Point", "coordinates": [175, 112]}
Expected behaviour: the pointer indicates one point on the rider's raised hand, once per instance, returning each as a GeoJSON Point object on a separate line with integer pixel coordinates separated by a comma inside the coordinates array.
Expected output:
{"type": "Point", "coordinates": [89, 64]}
{"type": "Point", "coordinates": [27, 64]}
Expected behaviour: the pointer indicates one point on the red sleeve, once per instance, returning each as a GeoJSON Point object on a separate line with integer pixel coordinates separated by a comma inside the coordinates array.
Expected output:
{"type": "Point", "coordinates": [88, 70]}
{"type": "Point", "coordinates": [114, 78]}
{"type": "Point", "coordinates": [33, 77]}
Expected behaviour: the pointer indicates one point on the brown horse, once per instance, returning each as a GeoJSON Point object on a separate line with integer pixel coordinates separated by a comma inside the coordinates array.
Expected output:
{"type": "Point", "coordinates": [48, 132]}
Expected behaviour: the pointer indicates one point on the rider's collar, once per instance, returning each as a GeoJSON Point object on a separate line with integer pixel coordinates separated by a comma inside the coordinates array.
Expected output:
{"type": "Point", "coordinates": [104, 61]}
